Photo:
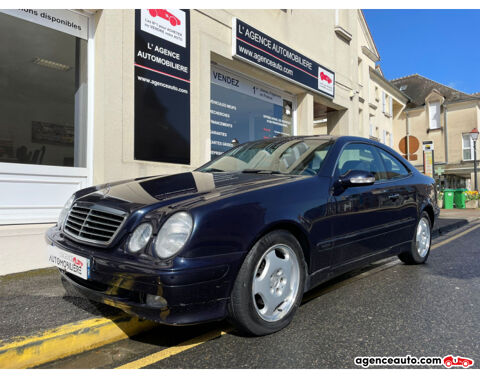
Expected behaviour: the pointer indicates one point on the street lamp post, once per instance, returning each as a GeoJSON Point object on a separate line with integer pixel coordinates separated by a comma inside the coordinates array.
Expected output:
{"type": "Point", "coordinates": [474, 136]}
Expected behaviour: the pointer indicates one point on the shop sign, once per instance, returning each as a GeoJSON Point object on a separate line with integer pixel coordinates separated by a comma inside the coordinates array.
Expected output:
{"type": "Point", "coordinates": [59, 19]}
{"type": "Point", "coordinates": [162, 85]}
{"type": "Point", "coordinates": [428, 145]}
{"type": "Point", "coordinates": [255, 47]}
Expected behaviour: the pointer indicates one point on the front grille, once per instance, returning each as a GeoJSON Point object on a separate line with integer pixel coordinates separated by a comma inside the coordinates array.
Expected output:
{"type": "Point", "coordinates": [93, 224]}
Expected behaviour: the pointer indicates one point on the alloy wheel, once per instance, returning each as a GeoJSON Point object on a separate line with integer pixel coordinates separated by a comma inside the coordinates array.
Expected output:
{"type": "Point", "coordinates": [276, 282]}
{"type": "Point", "coordinates": [423, 237]}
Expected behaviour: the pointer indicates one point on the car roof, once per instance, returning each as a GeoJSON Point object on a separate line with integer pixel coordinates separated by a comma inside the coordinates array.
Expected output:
{"type": "Point", "coordinates": [343, 138]}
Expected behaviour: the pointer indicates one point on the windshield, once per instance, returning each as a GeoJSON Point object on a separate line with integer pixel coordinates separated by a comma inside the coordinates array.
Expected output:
{"type": "Point", "coordinates": [285, 156]}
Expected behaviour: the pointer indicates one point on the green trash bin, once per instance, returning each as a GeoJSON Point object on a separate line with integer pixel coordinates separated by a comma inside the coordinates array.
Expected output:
{"type": "Point", "coordinates": [459, 198]}
{"type": "Point", "coordinates": [448, 195]}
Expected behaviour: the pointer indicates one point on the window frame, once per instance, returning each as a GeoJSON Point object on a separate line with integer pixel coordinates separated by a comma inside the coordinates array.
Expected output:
{"type": "Point", "coordinates": [472, 152]}
{"type": "Point", "coordinates": [438, 115]}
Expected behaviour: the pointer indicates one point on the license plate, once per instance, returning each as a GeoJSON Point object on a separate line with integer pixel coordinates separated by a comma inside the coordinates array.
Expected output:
{"type": "Point", "coordinates": [69, 262]}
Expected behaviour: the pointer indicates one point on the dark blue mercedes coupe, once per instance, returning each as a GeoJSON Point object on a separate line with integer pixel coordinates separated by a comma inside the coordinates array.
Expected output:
{"type": "Point", "coordinates": [247, 234]}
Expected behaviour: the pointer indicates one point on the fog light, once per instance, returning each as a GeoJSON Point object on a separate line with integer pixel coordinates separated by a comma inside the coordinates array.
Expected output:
{"type": "Point", "coordinates": [155, 301]}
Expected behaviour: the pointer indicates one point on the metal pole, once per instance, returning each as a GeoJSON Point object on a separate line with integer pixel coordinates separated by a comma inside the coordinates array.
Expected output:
{"type": "Point", "coordinates": [475, 163]}
{"type": "Point", "coordinates": [408, 136]}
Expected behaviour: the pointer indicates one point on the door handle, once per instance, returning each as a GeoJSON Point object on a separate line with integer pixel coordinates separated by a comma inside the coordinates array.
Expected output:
{"type": "Point", "coordinates": [393, 196]}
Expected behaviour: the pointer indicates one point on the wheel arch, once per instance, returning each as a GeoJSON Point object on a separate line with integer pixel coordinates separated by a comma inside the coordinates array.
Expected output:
{"type": "Point", "coordinates": [295, 229]}
{"type": "Point", "coordinates": [431, 214]}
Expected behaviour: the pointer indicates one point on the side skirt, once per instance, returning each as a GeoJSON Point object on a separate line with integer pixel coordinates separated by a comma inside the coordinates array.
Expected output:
{"type": "Point", "coordinates": [326, 274]}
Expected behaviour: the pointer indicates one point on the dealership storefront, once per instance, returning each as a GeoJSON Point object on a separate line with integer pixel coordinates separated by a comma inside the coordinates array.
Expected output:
{"type": "Point", "coordinates": [95, 96]}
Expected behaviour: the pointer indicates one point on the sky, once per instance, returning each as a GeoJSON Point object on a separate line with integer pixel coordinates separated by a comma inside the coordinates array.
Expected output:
{"type": "Point", "coordinates": [442, 45]}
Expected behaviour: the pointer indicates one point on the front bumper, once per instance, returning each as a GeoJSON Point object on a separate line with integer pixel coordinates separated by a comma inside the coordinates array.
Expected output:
{"type": "Point", "coordinates": [190, 291]}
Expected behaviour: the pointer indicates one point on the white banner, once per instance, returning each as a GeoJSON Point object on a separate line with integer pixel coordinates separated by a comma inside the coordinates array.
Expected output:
{"type": "Point", "coordinates": [59, 19]}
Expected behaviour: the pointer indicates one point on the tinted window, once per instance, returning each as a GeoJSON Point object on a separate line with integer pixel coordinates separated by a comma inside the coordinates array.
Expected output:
{"type": "Point", "coordinates": [360, 157]}
{"type": "Point", "coordinates": [393, 168]}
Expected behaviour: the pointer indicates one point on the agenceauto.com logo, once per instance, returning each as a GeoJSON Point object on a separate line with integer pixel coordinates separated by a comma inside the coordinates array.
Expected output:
{"type": "Point", "coordinates": [447, 361]}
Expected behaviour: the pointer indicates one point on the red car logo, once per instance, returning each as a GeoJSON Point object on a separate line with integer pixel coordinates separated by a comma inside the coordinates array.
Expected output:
{"type": "Point", "coordinates": [163, 13]}
{"type": "Point", "coordinates": [77, 262]}
{"type": "Point", "coordinates": [325, 78]}
{"type": "Point", "coordinates": [449, 361]}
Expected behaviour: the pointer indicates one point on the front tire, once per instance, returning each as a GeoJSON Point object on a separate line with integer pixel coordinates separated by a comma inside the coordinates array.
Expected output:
{"type": "Point", "coordinates": [269, 286]}
{"type": "Point", "coordinates": [421, 242]}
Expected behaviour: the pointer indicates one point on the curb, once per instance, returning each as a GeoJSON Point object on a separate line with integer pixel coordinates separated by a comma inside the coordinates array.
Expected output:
{"type": "Point", "coordinates": [450, 227]}
{"type": "Point", "coordinates": [69, 339]}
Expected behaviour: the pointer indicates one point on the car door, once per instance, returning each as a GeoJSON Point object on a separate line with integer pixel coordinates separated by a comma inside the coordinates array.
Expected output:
{"type": "Point", "coordinates": [401, 199]}
{"type": "Point", "coordinates": [360, 212]}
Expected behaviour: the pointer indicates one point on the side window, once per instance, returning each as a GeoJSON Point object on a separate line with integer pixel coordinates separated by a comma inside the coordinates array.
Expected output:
{"type": "Point", "coordinates": [360, 157]}
{"type": "Point", "coordinates": [312, 163]}
{"type": "Point", "coordinates": [393, 167]}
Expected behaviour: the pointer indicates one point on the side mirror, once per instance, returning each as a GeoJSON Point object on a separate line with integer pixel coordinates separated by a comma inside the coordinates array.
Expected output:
{"type": "Point", "coordinates": [356, 178]}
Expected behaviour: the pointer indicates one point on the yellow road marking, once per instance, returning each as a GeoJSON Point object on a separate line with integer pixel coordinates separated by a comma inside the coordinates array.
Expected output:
{"type": "Point", "coordinates": [192, 343]}
{"type": "Point", "coordinates": [455, 237]}
{"type": "Point", "coordinates": [69, 339]}
{"type": "Point", "coordinates": [165, 353]}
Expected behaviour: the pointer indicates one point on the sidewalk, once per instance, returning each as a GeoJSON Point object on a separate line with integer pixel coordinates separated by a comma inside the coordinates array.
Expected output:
{"type": "Point", "coordinates": [35, 302]}
{"type": "Point", "coordinates": [454, 218]}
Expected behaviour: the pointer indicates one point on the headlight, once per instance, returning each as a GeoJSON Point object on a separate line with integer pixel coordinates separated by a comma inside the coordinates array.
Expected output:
{"type": "Point", "coordinates": [64, 212]}
{"type": "Point", "coordinates": [140, 237]}
{"type": "Point", "coordinates": [173, 235]}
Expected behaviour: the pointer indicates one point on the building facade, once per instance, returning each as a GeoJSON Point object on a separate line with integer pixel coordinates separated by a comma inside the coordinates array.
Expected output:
{"type": "Point", "coordinates": [442, 117]}
{"type": "Point", "coordinates": [92, 96]}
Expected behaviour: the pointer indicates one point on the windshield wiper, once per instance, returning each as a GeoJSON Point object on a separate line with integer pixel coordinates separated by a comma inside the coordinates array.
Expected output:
{"type": "Point", "coordinates": [213, 170]}
{"type": "Point", "coordinates": [261, 171]}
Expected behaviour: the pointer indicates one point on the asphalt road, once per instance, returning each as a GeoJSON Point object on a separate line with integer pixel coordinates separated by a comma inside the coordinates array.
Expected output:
{"type": "Point", "coordinates": [34, 294]}
{"type": "Point", "coordinates": [387, 309]}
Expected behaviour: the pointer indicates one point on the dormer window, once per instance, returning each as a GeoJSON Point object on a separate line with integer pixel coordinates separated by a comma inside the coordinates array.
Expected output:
{"type": "Point", "coordinates": [434, 115]}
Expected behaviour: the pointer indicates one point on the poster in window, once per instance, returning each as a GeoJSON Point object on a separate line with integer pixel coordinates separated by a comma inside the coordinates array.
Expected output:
{"type": "Point", "coordinates": [245, 110]}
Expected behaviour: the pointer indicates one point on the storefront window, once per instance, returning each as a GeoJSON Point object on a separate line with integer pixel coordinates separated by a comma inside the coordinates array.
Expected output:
{"type": "Point", "coordinates": [43, 88]}
{"type": "Point", "coordinates": [245, 110]}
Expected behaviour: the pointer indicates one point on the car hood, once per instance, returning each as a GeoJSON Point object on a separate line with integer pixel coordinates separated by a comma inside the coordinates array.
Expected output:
{"type": "Point", "coordinates": [185, 188]}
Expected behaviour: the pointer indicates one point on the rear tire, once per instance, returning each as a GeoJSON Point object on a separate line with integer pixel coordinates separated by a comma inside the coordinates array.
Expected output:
{"type": "Point", "coordinates": [269, 286]}
{"type": "Point", "coordinates": [421, 242]}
